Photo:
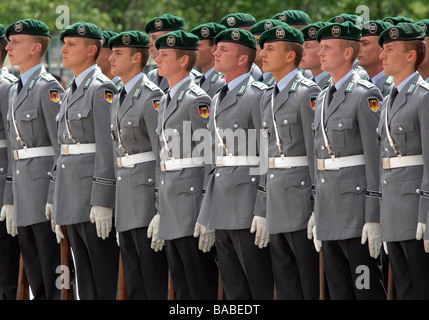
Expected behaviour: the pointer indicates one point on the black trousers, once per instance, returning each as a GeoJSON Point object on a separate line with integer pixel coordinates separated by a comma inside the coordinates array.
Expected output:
{"type": "Point", "coordinates": [347, 264]}
{"type": "Point", "coordinates": [246, 270]}
{"type": "Point", "coordinates": [96, 261]}
{"type": "Point", "coordinates": [410, 269]}
{"type": "Point", "coordinates": [9, 264]}
{"type": "Point", "coordinates": [41, 256]}
{"type": "Point", "coordinates": [295, 266]}
{"type": "Point", "coordinates": [145, 271]}
{"type": "Point", "coordinates": [193, 272]}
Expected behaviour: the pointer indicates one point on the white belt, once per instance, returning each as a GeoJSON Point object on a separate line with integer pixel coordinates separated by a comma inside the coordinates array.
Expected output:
{"type": "Point", "coordinates": [179, 164]}
{"type": "Point", "coordinates": [75, 149]}
{"type": "Point", "coordinates": [130, 160]}
{"type": "Point", "coordinates": [287, 162]}
{"type": "Point", "coordinates": [235, 161]}
{"type": "Point", "coordinates": [402, 161]}
{"type": "Point", "coordinates": [3, 143]}
{"type": "Point", "coordinates": [341, 162]}
{"type": "Point", "coordinates": [27, 153]}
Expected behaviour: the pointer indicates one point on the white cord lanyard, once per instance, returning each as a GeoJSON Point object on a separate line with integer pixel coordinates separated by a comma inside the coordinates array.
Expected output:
{"type": "Point", "coordinates": [278, 142]}
{"type": "Point", "coordinates": [389, 137]}
{"type": "Point", "coordinates": [118, 130]}
{"type": "Point", "coordinates": [67, 119]}
{"type": "Point", "coordinates": [217, 129]}
{"type": "Point", "coordinates": [164, 137]}
{"type": "Point", "coordinates": [325, 138]}
{"type": "Point", "coordinates": [18, 134]}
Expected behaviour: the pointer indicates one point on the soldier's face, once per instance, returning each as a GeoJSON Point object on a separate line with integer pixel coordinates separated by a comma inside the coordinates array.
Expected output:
{"type": "Point", "coordinates": [258, 60]}
{"type": "Point", "coordinates": [103, 60]}
{"type": "Point", "coordinates": [168, 63]}
{"type": "Point", "coordinates": [369, 51]}
{"type": "Point", "coordinates": [19, 49]}
{"type": "Point", "coordinates": [274, 57]}
{"type": "Point", "coordinates": [205, 53]}
{"type": "Point", "coordinates": [310, 59]}
{"type": "Point", "coordinates": [121, 61]}
{"type": "Point", "coordinates": [75, 52]}
{"type": "Point", "coordinates": [152, 49]}
{"type": "Point", "coordinates": [331, 55]}
{"type": "Point", "coordinates": [395, 58]}
{"type": "Point", "coordinates": [226, 57]}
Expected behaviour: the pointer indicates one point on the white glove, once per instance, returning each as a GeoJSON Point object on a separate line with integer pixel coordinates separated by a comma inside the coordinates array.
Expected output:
{"type": "Point", "coordinates": [207, 237]}
{"type": "Point", "coordinates": [385, 247]}
{"type": "Point", "coordinates": [7, 213]}
{"type": "Point", "coordinates": [371, 231]}
{"type": "Point", "coordinates": [117, 239]}
{"type": "Point", "coordinates": [310, 226]}
{"type": "Point", "coordinates": [262, 237]}
{"type": "Point", "coordinates": [421, 227]}
{"type": "Point", "coordinates": [152, 232]}
{"type": "Point", "coordinates": [426, 243]}
{"type": "Point", "coordinates": [102, 217]}
{"type": "Point", "coordinates": [59, 233]}
{"type": "Point", "coordinates": [317, 243]}
{"type": "Point", "coordinates": [48, 214]}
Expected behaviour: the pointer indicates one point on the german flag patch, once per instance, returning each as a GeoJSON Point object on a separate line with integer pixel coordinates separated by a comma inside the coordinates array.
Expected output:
{"type": "Point", "coordinates": [108, 95]}
{"type": "Point", "coordinates": [156, 104]}
{"type": "Point", "coordinates": [313, 103]}
{"type": "Point", "coordinates": [54, 95]}
{"type": "Point", "coordinates": [204, 111]}
{"type": "Point", "coordinates": [373, 104]}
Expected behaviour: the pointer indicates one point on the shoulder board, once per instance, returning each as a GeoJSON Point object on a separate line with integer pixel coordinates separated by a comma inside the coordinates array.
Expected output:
{"type": "Point", "coordinates": [47, 77]}
{"type": "Point", "coordinates": [137, 93]}
{"type": "Point", "coordinates": [259, 85]}
{"type": "Point", "coordinates": [196, 73]}
{"type": "Point", "coordinates": [365, 83]}
{"type": "Point", "coordinates": [10, 77]}
{"type": "Point", "coordinates": [214, 77]}
{"type": "Point", "coordinates": [308, 82]}
{"type": "Point", "coordinates": [152, 86]}
{"type": "Point", "coordinates": [389, 80]}
{"type": "Point", "coordinates": [350, 86]}
{"type": "Point", "coordinates": [424, 85]}
{"type": "Point", "coordinates": [197, 90]}
{"type": "Point", "coordinates": [103, 78]}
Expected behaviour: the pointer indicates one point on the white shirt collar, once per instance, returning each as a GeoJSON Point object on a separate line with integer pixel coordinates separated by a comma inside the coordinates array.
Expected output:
{"type": "Point", "coordinates": [343, 79]}
{"type": "Point", "coordinates": [79, 79]}
{"type": "Point", "coordinates": [130, 84]}
{"type": "Point", "coordinates": [403, 83]}
{"type": "Point", "coordinates": [177, 86]}
{"type": "Point", "coordinates": [286, 79]}
{"type": "Point", "coordinates": [26, 75]}
{"type": "Point", "coordinates": [377, 77]}
{"type": "Point", "coordinates": [232, 84]}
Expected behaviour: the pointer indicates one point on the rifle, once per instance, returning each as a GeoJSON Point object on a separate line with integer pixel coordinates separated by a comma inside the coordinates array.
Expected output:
{"type": "Point", "coordinates": [391, 293]}
{"type": "Point", "coordinates": [171, 295]}
{"type": "Point", "coordinates": [66, 294]}
{"type": "Point", "coordinates": [23, 288]}
{"type": "Point", "coordinates": [323, 285]}
{"type": "Point", "coordinates": [122, 292]}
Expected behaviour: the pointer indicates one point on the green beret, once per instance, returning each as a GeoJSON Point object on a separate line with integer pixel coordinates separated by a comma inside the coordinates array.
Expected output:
{"type": "Point", "coordinates": [346, 31]}
{"type": "Point", "coordinates": [264, 25]}
{"type": "Point", "coordinates": [403, 31]}
{"type": "Point", "coordinates": [294, 17]}
{"type": "Point", "coordinates": [82, 29]}
{"type": "Point", "coordinates": [2, 31]}
{"type": "Point", "coordinates": [425, 26]}
{"type": "Point", "coordinates": [238, 36]}
{"type": "Point", "coordinates": [282, 33]}
{"type": "Point", "coordinates": [178, 39]}
{"type": "Point", "coordinates": [208, 30]}
{"type": "Point", "coordinates": [167, 22]}
{"type": "Point", "coordinates": [29, 27]}
{"type": "Point", "coordinates": [132, 38]}
{"type": "Point", "coordinates": [374, 28]}
{"type": "Point", "coordinates": [107, 35]}
{"type": "Point", "coordinates": [238, 20]}
{"type": "Point", "coordinates": [396, 20]}
{"type": "Point", "coordinates": [310, 30]}
{"type": "Point", "coordinates": [344, 17]}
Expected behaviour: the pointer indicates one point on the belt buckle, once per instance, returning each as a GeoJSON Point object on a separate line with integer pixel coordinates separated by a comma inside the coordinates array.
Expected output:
{"type": "Point", "coordinates": [219, 161]}
{"type": "Point", "coordinates": [65, 149]}
{"type": "Point", "coordinates": [163, 166]}
{"type": "Point", "coordinates": [15, 154]}
{"type": "Point", "coordinates": [271, 163]}
{"type": "Point", "coordinates": [386, 163]}
{"type": "Point", "coordinates": [119, 162]}
{"type": "Point", "coordinates": [321, 164]}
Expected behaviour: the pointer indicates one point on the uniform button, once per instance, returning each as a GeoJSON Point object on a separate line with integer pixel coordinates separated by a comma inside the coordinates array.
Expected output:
{"type": "Point", "coordinates": [63, 166]}
{"type": "Point", "coordinates": [162, 182]}
{"type": "Point", "coordinates": [384, 182]}
{"type": "Point", "coordinates": [358, 188]}
{"type": "Point", "coordinates": [418, 191]}
{"type": "Point", "coordinates": [340, 125]}
{"type": "Point", "coordinates": [322, 180]}
{"type": "Point", "coordinates": [264, 124]}
{"type": "Point", "coordinates": [49, 173]}
{"type": "Point", "coordinates": [322, 147]}
{"type": "Point", "coordinates": [17, 171]}
{"type": "Point", "coordinates": [119, 178]}
{"type": "Point", "coordinates": [79, 115]}
{"type": "Point", "coordinates": [400, 129]}
{"type": "Point", "coordinates": [149, 180]}
{"type": "Point", "coordinates": [120, 130]}
{"type": "Point", "coordinates": [303, 183]}
{"type": "Point", "coordinates": [235, 125]}
{"type": "Point", "coordinates": [130, 123]}
{"type": "Point", "coordinates": [253, 179]}
{"type": "Point", "coordinates": [271, 175]}
{"type": "Point", "coordinates": [111, 126]}
{"type": "Point", "coordinates": [1, 169]}
{"type": "Point", "coordinates": [27, 116]}
{"type": "Point", "coordinates": [191, 189]}
{"type": "Point", "coordinates": [217, 175]}
{"type": "Point", "coordinates": [386, 149]}
{"type": "Point", "coordinates": [285, 121]}
{"type": "Point", "coordinates": [207, 125]}
{"type": "Point", "coordinates": [64, 136]}
{"type": "Point", "coordinates": [175, 130]}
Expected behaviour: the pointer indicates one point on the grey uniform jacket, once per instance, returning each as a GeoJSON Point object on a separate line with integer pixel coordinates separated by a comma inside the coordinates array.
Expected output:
{"type": "Point", "coordinates": [213, 84]}
{"type": "Point", "coordinates": [348, 197]}
{"type": "Point", "coordinates": [405, 191]}
{"type": "Point", "coordinates": [180, 192]}
{"type": "Point", "coordinates": [135, 187]}
{"type": "Point", "coordinates": [34, 110]}
{"type": "Point", "coordinates": [289, 201]}
{"type": "Point", "coordinates": [85, 180]}
{"type": "Point", "coordinates": [384, 84]}
{"type": "Point", "coordinates": [7, 80]}
{"type": "Point", "coordinates": [231, 191]}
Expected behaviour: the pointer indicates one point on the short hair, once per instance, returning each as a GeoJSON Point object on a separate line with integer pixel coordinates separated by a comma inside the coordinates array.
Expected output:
{"type": "Point", "coordinates": [144, 55]}
{"type": "Point", "coordinates": [249, 52]}
{"type": "Point", "coordinates": [3, 51]}
{"type": "Point", "coordinates": [44, 41]}
{"type": "Point", "coordinates": [94, 42]}
{"type": "Point", "coordinates": [420, 47]}
{"type": "Point", "coordinates": [355, 45]}
{"type": "Point", "coordinates": [192, 54]}
{"type": "Point", "coordinates": [297, 48]}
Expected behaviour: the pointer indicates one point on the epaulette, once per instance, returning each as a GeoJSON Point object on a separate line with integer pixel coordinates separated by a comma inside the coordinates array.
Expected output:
{"type": "Point", "coordinates": [103, 78]}
{"type": "Point", "coordinates": [365, 83]}
{"type": "Point", "coordinates": [10, 77]}
{"type": "Point", "coordinates": [308, 82]}
{"type": "Point", "coordinates": [197, 90]}
{"type": "Point", "coordinates": [47, 77]}
{"type": "Point", "coordinates": [196, 73]}
{"type": "Point", "coordinates": [260, 85]}
{"type": "Point", "coordinates": [152, 86]}
{"type": "Point", "coordinates": [424, 85]}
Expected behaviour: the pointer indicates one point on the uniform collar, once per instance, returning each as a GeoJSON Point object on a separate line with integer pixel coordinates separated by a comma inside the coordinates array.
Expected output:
{"type": "Point", "coordinates": [208, 73]}
{"type": "Point", "coordinates": [286, 79]}
{"type": "Point", "coordinates": [377, 77]}
{"type": "Point", "coordinates": [403, 83]}
{"type": "Point", "coordinates": [343, 79]}
{"type": "Point", "coordinates": [177, 86]}
{"type": "Point", "coordinates": [130, 84]}
{"type": "Point", "coordinates": [232, 84]}
{"type": "Point", "coordinates": [320, 76]}
{"type": "Point", "coordinates": [79, 79]}
{"type": "Point", "coordinates": [26, 75]}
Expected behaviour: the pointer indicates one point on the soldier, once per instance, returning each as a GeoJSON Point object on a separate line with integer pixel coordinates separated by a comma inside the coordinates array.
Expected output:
{"type": "Point", "coordinates": [403, 129]}
{"type": "Point", "coordinates": [310, 58]}
{"type": "Point", "coordinates": [347, 175]}
{"type": "Point", "coordinates": [9, 246]}
{"type": "Point", "coordinates": [183, 111]}
{"type": "Point", "coordinates": [243, 21]}
{"type": "Point", "coordinates": [256, 30]}
{"type": "Point", "coordinates": [85, 177]}
{"type": "Point", "coordinates": [134, 118]}
{"type": "Point", "coordinates": [229, 203]}
{"type": "Point", "coordinates": [369, 53]}
{"type": "Point", "coordinates": [211, 81]}
{"type": "Point", "coordinates": [424, 66]}
{"type": "Point", "coordinates": [33, 105]}
{"type": "Point", "coordinates": [295, 18]}
{"type": "Point", "coordinates": [288, 117]}
{"type": "Point", "coordinates": [103, 59]}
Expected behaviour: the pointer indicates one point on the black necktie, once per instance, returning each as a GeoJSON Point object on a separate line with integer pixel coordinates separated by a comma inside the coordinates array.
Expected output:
{"type": "Point", "coordinates": [223, 93]}
{"type": "Point", "coordinates": [168, 99]}
{"type": "Point", "coordinates": [369, 79]}
{"type": "Point", "coordinates": [276, 91]}
{"type": "Point", "coordinates": [123, 95]}
{"type": "Point", "coordinates": [203, 78]}
{"type": "Point", "coordinates": [158, 79]}
{"type": "Point", "coordinates": [19, 86]}
{"type": "Point", "coordinates": [331, 92]}
{"type": "Point", "coordinates": [393, 95]}
{"type": "Point", "coordinates": [74, 87]}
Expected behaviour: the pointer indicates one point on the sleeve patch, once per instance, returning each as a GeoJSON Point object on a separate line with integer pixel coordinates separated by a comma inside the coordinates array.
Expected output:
{"type": "Point", "coordinates": [108, 95]}
{"type": "Point", "coordinates": [313, 102]}
{"type": "Point", "coordinates": [54, 95]}
{"type": "Point", "coordinates": [373, 104]}
{"type": "Point", "coordinates": [156, 104]}
{"type": "Point", "coordinates": [204, 111]}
